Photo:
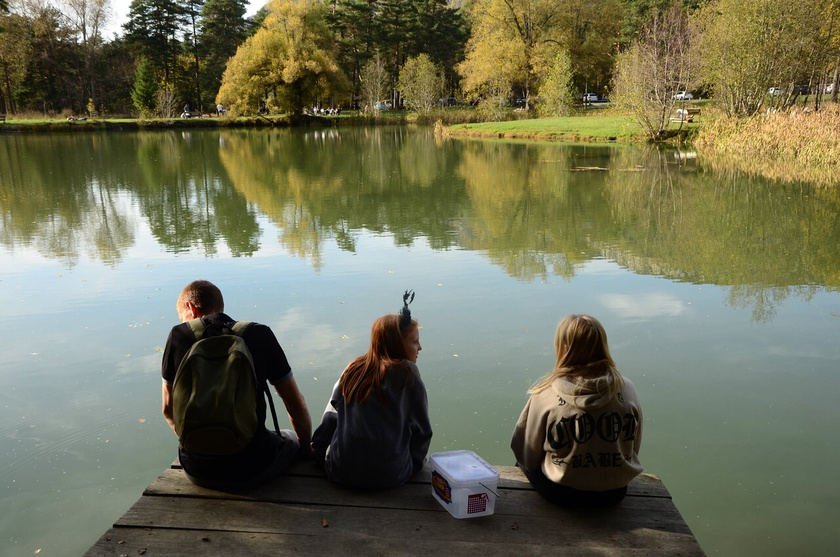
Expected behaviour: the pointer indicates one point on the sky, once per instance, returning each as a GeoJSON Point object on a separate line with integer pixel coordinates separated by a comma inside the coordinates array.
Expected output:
{"type": "Point", "coordinates": [120, 14]}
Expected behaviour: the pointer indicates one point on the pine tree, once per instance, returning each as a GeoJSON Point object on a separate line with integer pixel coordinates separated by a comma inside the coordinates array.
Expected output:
{"type": "Point", "coordinates": [144, 94]}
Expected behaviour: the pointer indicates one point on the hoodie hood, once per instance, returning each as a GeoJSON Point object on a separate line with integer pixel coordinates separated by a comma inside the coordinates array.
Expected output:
{"type": "Point", "coordinates": [582, 393]}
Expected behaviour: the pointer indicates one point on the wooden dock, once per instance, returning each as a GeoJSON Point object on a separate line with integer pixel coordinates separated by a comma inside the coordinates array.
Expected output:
{"type": "Point", "coordinates": [302, 513]}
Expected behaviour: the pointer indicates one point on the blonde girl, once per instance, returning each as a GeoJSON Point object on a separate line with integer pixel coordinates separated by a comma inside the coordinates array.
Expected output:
{"type": "Point", "coordinates": [578, 437]}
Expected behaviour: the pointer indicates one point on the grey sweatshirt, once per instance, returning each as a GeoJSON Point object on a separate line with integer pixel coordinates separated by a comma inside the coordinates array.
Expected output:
{"type": "Point", "coordinates": [376, 444]}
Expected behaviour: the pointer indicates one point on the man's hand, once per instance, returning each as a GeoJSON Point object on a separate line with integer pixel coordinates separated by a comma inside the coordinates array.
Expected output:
{"type": "Point", "coordinates": [167, 405]}
{"type": "Point", "coordinates": [298, 414]}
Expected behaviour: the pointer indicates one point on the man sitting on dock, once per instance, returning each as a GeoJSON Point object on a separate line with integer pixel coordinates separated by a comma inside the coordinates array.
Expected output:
{"type": "Point", "coordinates": [266, 454]}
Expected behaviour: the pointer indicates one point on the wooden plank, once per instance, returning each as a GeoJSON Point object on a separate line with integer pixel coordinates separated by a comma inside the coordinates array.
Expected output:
{"type": "Point", "coordinates": [509, 477]}
{"type": "Point", "coordinates": [301, 512]}
{"type": "Point", "coordinates": [253, 516]}
{"type": "Point", "coordinates": [174, 543]}
{"type": "Point", "coordinates": [314, 490]}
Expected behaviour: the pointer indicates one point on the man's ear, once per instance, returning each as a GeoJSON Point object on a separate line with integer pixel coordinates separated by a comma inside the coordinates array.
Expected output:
{"type": "Point", "coordinates": [190, 311]}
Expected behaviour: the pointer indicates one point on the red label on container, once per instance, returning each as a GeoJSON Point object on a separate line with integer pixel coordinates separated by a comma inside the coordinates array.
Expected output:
{"type": "Point", "coordinates": [477, 503]}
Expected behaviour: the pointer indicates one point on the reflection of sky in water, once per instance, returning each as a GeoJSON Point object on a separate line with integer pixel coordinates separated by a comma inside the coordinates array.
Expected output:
{"type": "Point", "coordinates": [739, 414]}
{"type": "Point", "coordinates": [643, 307]}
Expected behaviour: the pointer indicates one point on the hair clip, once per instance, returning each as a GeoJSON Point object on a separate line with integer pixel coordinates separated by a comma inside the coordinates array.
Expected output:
{"type": "Point", "coordinates": [405, 313]}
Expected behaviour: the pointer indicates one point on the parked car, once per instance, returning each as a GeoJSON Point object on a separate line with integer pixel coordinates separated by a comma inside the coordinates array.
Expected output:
{"type": "Point", "coordinates": [590, 97]}
{"type": "Point", "coordinates": [450, 101]}
{"type": "Point", "coordinates": [683, 96]}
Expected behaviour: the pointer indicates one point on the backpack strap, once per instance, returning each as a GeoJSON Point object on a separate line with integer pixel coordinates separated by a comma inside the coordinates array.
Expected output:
{"type": "Point", "coordinates": [197, 327]}
{"type": "Point", "coordinates": [238, 329]}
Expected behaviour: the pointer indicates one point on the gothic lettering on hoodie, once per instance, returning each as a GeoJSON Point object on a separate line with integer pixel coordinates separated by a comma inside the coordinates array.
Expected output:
{"type": "Point", "coordinates": [580, 428]}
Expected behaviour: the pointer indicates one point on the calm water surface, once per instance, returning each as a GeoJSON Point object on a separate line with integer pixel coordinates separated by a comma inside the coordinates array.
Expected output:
{"type": "Point", "coordinates": [719, 294]}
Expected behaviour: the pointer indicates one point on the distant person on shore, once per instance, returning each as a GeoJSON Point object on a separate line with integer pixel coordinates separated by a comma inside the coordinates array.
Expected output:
{"type": "Point", "coordinates": [578, 437]}
{"type": "Point", "coordinates": [375, 431]}
{"type": "Point", "coordinates": [266, 454]}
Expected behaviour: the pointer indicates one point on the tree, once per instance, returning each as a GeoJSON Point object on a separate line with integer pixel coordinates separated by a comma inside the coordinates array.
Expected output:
{"type": "Point", "coordinates": [374, 81]}
{"type": "Point", "coordinates": [145, 92]}
{"type": "Point", "coordinates": [15, 51]}
{"type": "Point", "coordinates": [53, 77]}
{"type": "Point", "coordinates": [223, 29]}
{"type": "Point", "coordinates": [192, 13]}
{"type": "Point", "coordinates": [420, 83]}
{"type": "Point", "coordinates": [748, 46]}
{"type": "Point", "coordinates": [658, 64]}
{"type": "Point", "coordinates": [88, 18]}
{"type": "Point", "coordinates": [514, 42]}
{"type": "Point", "coordinates": [356, 28]}
{"type": "Point", "coordinates": [557, 89]}
{"type": "Point", "coordinates": [290, 61]}
{"type": "Point", "coordinates": [152, 30]}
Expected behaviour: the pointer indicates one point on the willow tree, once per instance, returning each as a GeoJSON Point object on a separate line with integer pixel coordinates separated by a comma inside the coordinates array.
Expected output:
{"type": "Point", "coordinates": [515, 42]}
{"type": "Point", "coordinates": [288, 63]}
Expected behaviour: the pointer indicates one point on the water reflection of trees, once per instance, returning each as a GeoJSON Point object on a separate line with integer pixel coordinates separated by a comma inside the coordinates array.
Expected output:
{"type": "Point", "coordinates": [185, 194]}
{"type": "Point", "coordinates": [65, 195]}
{"type": "Point", "coordinates": [326, 184]}
{"type": "Point", "coordinates": [55, 200]}
{"type": "Point", "coordinates": [535, 210]}
{"type": "Point", "coordinates": [765, 241]}
{"type": "Point", "coordinates": [531, 210]}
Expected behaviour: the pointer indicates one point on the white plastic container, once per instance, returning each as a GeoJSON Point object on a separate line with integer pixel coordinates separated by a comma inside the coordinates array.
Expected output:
{"type": "Point", "coordinates": [464, 484]}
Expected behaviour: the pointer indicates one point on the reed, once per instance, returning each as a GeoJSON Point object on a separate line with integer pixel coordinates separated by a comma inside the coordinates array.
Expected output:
{"type": "Point", "coordinates": [793, 145]}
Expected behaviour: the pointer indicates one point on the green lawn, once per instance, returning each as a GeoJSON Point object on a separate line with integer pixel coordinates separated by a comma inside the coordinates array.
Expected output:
{"type": "Point", "coordinates": [580, 127]}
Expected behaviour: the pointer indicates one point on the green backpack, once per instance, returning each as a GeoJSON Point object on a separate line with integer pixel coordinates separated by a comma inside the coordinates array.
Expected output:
{"type": "Point", "coordinates": [214, 395]}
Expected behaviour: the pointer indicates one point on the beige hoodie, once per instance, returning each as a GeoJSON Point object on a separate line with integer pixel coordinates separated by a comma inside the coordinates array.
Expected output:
{"type": "Point", "coordinates": [579, 438]}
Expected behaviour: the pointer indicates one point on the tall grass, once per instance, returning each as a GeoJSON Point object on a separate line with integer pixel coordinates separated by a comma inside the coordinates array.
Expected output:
{"type": "Point", "coordinates": [794, 145]}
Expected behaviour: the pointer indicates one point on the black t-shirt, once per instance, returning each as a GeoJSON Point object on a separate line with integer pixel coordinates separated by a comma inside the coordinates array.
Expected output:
{"type": "Point", "coordinates": [270, 364]}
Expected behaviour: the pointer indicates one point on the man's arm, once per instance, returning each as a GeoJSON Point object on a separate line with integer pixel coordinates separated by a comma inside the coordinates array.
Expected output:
{"type": "Point", "coordinates": [298, 414]}
{"type": "Point", "coordinates": [167, 405]}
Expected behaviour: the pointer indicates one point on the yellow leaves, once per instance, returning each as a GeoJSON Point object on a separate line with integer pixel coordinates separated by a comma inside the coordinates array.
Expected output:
{"type": "Point", "coordinates": [293, 49]}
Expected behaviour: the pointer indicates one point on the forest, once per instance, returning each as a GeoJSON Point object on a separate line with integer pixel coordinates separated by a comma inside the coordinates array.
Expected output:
{"type": "Point", "coordinates": [296, 54]}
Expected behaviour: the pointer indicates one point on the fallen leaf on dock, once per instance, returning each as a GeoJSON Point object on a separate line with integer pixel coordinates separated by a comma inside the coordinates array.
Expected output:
{"type": "Point", "coordinates": [205, 539]}
{"type": "Point", "coordinates": [324, 523]}
{"type": "Point", "coordinates": [141, 551]}
{"type": "Point", "coordinates": [514, 526]}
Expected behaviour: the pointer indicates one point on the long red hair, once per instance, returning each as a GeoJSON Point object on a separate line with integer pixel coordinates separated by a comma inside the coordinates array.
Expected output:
{"type": "Point", "coordinates": [385, 355]}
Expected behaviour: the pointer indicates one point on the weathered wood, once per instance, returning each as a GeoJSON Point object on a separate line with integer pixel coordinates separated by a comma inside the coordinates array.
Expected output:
{"type": "Point", "coordinates": [175, 543]}
{"type": "Point", "coordinates": [509, 477]}
{"type": "Point", "coordinates": [301, 512]}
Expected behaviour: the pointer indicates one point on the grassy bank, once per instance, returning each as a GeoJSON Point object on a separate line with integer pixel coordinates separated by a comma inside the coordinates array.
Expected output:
{"type": "Point", "coordinates": [606, 127]}
{"type": "Point", "coordinates": [38, 124]}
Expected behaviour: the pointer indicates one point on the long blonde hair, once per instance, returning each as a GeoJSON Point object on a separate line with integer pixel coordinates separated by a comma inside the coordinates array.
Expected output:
{"type": "Point", "coordinates": [580, 346]}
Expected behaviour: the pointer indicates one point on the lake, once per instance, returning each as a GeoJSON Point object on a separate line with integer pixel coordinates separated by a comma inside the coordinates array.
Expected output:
{"type": "Point", "coordinates": [719, 293]}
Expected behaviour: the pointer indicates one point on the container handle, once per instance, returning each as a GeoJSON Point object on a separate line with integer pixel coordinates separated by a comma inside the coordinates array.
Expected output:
{"type": "Point", "coordinates": [488, 489]}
